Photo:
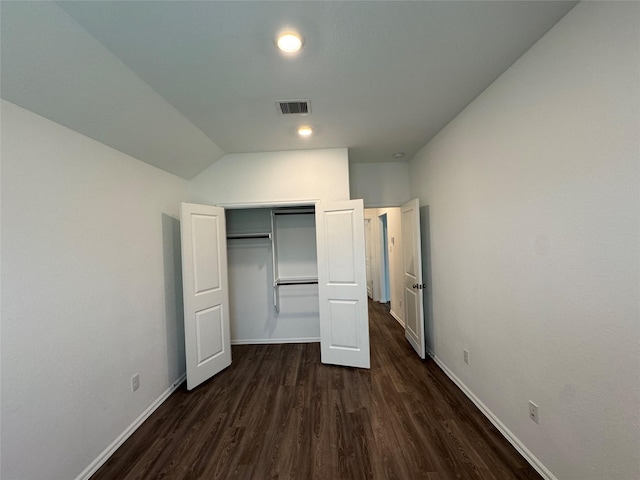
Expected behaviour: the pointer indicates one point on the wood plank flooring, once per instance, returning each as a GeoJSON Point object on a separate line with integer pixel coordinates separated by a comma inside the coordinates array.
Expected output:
{"type": "Point", "coordinates": [278, 413]}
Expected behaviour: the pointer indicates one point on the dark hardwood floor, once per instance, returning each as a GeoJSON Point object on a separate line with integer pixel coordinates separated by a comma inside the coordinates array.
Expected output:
{"type": "Point", "coordinates": [277, 412]}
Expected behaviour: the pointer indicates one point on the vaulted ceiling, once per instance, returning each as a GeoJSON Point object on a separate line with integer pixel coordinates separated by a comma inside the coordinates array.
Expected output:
{"type": "Point", "coordinates": [178, 83]}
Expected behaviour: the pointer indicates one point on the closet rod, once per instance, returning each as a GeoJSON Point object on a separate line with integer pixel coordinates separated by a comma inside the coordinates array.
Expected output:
{"type": "Point", "coordinates": [298, 212]}
{"type": "Point", "coordinates": [295, 281]}
{"type": "Point", "coordinates": [233, 236]}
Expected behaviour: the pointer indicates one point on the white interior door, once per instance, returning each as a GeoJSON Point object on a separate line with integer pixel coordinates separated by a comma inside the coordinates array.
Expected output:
{"type": "Point", "coordinates": [412, 276]}
{"type": "Point", "coordinates": [342, 289]}
{"type": "Point", "coordinates": [206, 292]}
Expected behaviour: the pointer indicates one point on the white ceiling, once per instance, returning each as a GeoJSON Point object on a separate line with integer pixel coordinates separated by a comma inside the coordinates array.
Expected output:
{"type": "Point", "coordinates": [202, 77]}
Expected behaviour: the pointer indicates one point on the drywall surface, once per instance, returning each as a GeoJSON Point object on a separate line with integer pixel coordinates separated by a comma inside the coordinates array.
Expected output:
{"type": "Point", "coordinates": [91, 294]}
{"type": "Point", "coordinates": [534, 201]}
{"type": "Point", "coordinates": [394, 233]}
{"type": "Point", "coordinates": [380, 184]}
{"type": "Point", "coordinates": [272, 177]}
{"type": "Point", "coordinates": [53, 66]}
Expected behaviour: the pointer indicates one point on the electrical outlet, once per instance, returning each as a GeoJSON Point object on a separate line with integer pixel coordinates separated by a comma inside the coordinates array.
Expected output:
{"type": "Point", "coordinates": [135, 382]}
{"type": "Point", "coordinates": [466, 356]}
{"type": "Point", "coordinates": [533, 412]}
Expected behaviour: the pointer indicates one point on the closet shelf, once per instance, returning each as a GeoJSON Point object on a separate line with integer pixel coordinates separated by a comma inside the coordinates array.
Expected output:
{"type": "Point", "coordinates": [294, 211]}
{"type": "Point", "coordinates": [296, 281]}
{"type": "Point", "coordinates": [233, 236]}
{"type": "Point", "coordinates": [279, 281]}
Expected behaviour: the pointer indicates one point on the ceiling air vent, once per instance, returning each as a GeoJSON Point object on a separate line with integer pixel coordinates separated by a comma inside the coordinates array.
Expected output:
{"type": "Point", "coordinates": [294, 107]}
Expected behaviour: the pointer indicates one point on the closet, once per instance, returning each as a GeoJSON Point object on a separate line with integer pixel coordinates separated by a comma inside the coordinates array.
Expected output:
{"type": "Point", "coordinates": [273, 275]}
{"type": "Point", "coordinates": [265, 274]}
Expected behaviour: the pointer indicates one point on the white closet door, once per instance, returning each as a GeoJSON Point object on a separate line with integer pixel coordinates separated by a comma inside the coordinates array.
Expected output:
{"type": "Point", "coordinates": [412, 276]}
{"type": "Point", "coordinates": [206, 292]}
{"type": "Point", "coordinates": [342, 288]}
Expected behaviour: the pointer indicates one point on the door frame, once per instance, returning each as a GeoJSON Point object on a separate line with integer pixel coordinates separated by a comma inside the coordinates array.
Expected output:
{"type": "Point", "coordinates": [375, 252]}
{"type": "Point", "coordinates": [368, 247]}
{"type": "Point", "coordinates": [308, 202]}
{"type": "Point", "coordinates": [383, 252]}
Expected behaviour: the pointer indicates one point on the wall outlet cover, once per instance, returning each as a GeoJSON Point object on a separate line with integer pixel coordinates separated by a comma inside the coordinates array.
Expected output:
{"type": "Point", "coordinates": [533, 412]}
{"type": "Point", "coordinates": [135, 382]}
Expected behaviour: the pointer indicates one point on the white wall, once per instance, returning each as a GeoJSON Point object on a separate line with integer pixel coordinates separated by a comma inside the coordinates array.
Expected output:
{"type": "Point", "coordinates": [91, 294]}
{"type": "Point", "coordinates": [394, 233]}
{"type": "Point", "coordinates": [534, 200]}
{"type": "Point", "coordinates": [52, 65]}
{"type": "Point", "coordinates": [291, 176]}
{"type": "Point", "coordinates": [380, 184]}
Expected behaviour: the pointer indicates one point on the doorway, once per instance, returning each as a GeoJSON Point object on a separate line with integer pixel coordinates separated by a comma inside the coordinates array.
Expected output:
{"type": "Point", "coordinates": [368, 256]}
{"type": "Point", "coordinates": [385, 289]}
{"type": "Point", "coordinates": [385, 251]}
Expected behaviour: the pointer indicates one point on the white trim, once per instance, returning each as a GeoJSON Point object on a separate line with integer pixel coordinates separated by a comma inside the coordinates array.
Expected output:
{"type": "Point", "coordinates": [398, 319]}
{"type": "Point", "coordinates": [110, 450]}
{"type": "Point", "coordinates": [506, 433]}
{"type": "Point", "coordinates": [266, 341]}
{"type": "Point", "coordinates": [309, 202]}
{"type": "Point", "coordinates": [383, 205]}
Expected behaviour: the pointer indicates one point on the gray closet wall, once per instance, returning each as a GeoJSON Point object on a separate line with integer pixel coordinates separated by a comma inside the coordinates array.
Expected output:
{"type": "Point", "coordinates": [260, 310]}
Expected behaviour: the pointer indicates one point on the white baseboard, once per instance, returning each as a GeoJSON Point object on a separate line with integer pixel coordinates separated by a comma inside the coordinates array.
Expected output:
{"type": "Point", "coordinates": [517, 444]}
{"type": "Point", "coordinates": [266, 341]}
{"type": "Point", "coordinates": [506, 433]}
{"type": "Point", "coordinates": [110, 450]}
{"type": "Point", "coordinates": [398, 319]}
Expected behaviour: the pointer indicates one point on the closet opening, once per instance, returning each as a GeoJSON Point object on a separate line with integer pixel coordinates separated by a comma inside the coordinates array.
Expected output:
{"type": "Point", "coordinates": [385, 293]}
{"type": "Point", "coordinates": [273, 275]}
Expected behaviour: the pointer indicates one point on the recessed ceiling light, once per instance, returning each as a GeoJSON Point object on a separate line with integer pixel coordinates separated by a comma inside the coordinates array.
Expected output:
{"type": "Point", "coordinates": [289, 42]}
{"type": "Point", "coordinates": [305, 131]}
{"type": "Point", "coordinates": [398, 155]}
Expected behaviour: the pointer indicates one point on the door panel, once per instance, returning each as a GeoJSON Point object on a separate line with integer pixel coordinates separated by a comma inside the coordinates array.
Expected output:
{"type": "Point", "coordinates": [412, 276]}
{"type": "Point", "coordinates": [206, 292]}
{"type": "Point", "coordinates": [204, 233]}
{"type": "Point", "coordinates": [340, 247]}
{"type": "Point", "coordinates": [209, 331]}
{"type": "Point", "coordinates": [344, 334]}
{"type": "Point", "coordinates": [344, 321]}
